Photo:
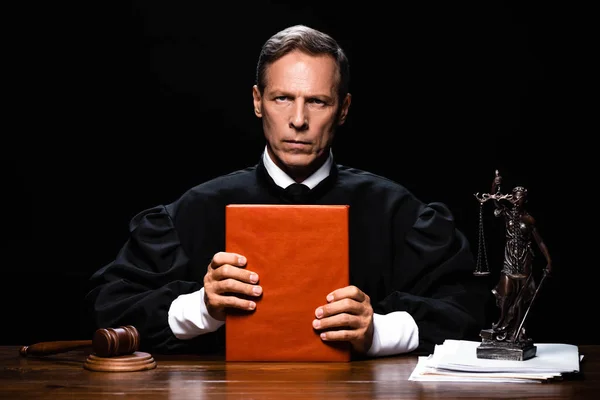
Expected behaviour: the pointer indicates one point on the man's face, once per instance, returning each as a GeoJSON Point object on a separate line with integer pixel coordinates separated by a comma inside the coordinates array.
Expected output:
{"type": "Point", "coordinates": [299, 109]}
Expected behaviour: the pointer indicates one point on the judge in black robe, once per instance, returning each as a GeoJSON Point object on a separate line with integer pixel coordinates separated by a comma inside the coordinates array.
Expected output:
{"type": "Point", "coordinates": [406, 255]}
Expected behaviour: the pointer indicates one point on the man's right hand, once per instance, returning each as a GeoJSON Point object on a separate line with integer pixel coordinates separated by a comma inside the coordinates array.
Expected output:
{"type": "Point", "coordinates": [225, 279]}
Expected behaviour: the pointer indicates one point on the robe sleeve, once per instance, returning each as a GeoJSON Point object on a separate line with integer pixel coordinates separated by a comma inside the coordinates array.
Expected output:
{"type": "Point", "coordinates": [433, 279]}
{"type": "Point", "coordinates": [151, 270]}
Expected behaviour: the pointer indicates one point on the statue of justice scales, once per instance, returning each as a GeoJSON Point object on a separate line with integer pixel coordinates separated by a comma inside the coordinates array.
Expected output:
{"type": "Point", "coordinates": [516, 289]}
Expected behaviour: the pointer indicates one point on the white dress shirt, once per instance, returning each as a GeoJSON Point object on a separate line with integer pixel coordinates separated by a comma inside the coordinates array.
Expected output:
{"type": "Point", "coordinates": [393, 333]}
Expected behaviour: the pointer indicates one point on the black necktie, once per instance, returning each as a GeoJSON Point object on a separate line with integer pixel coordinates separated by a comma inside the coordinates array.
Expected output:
{"type": "Point", "coordinates": [297, 192]}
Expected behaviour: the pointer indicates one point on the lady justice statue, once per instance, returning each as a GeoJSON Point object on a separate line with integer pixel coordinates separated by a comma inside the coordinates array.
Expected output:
{"type": "Point", "coordinates": [516, 288]}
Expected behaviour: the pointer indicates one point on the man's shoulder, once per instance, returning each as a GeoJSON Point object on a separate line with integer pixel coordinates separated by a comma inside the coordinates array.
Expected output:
{"type": "Point", "coordinates": [219, 186]}
{"type": "Point", "coordinates": [232, 180]}
{"type": "Point", "coordinates": [356, 177]}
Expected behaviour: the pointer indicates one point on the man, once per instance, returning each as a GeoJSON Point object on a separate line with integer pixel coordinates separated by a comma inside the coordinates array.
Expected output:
{"type": "Point", "coordinates": [412, 282]}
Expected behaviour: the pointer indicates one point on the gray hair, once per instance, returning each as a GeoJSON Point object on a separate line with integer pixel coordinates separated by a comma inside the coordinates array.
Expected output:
{"type": "Point", "coordinates": [308, 40]}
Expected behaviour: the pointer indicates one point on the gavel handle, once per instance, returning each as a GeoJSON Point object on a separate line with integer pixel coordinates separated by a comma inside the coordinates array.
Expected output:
{"type": "Point", "coordinates": [47, 348]}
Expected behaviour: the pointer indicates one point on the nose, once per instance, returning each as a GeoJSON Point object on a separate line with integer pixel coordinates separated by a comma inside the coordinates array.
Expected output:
{"type": "Point", "coordinates": [299, 118]}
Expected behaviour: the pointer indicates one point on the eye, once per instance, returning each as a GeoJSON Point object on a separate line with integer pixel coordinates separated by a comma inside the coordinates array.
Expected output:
{"type": "Point", "coordinates": [281, 98]}
{"type": "Point", "coordinates": [316, 101]}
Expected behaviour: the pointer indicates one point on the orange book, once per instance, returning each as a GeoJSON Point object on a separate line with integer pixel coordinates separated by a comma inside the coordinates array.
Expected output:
{"type": "Point", "coordinates": [301, 254]}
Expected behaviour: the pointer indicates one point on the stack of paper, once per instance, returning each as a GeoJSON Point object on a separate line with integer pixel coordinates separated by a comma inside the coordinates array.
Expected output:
{"type": "Point", "coordinates": [456, 360]}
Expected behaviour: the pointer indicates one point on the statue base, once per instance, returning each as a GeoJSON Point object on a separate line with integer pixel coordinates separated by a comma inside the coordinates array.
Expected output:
{"type": "Point", "coordinates": [493, 349]}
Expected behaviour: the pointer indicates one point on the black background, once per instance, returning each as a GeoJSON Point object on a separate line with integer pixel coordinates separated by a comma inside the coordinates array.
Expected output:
{"type": "Point", "coordinates": [121, 106]}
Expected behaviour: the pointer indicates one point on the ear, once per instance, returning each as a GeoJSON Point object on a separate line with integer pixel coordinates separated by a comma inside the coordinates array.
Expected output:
{"type": "Point", "coordinates": [344, 109]}
{"type": "Point", "coordinates": [257, 101]}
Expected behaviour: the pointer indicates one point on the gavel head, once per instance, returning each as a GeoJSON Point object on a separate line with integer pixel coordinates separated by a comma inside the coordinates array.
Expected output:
{"type": "Point", "coordinates": [111, 342]}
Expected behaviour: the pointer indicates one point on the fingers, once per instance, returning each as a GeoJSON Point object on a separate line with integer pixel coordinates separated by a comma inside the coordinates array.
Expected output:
{"type": "Point", "coordinates": [350, 300]}
{"type": "Point", "coordinates": [234, 286]}
{"type": "Point", "coordinates": [223, 258]}
{"type": "Point", "coordinates": [346, 313]}
{"type": "Point", "coordinates": [349, 292]}
{"type": "Point", "coordinates": [347, 316]}
{"type": "Point", "coordinates": [229, 271]}
{"type": "Point", "coordinates": [228, 284]}
{"type": "Point", "coordinates": [344, 320]}
{"type": "Point", "coordinates": [229, 293]}
{"type": "Point", "coordinates": [220, 302]}
{"type": "Point", "coordinates": [349, 306]}
{"type": "Point", "coordinates": [231, 266]}
{"type": "Point", "coordinates": [347, 327]}
{"type": "Point", "coordinates": [341, 335]}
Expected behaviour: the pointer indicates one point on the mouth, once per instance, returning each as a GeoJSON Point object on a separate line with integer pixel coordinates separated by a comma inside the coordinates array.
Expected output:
{"type": "Point", "coordinates": [297, 146]}
{"type": "Point", "coordinates": [298, 142]}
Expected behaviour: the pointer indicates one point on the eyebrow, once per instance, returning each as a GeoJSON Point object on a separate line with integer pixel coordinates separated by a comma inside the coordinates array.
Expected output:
{"type": "Point", "coordinates": [311, 95]}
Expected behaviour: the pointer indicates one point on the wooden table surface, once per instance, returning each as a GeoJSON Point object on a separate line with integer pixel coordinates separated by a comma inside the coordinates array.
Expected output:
{"type": "Point", "coordinates": [62, 376]}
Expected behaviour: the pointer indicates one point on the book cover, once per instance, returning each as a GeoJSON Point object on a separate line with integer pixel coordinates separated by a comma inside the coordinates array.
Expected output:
{"type": "Point", "coordinates": [301, 254]}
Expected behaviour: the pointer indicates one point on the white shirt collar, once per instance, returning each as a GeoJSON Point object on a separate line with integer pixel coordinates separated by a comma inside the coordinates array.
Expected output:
{"type": "Point", "coordinates": [284, 180]}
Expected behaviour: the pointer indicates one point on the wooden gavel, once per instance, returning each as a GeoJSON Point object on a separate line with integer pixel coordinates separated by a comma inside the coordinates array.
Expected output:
{"type": "Point", "coordinates": [106, 342]}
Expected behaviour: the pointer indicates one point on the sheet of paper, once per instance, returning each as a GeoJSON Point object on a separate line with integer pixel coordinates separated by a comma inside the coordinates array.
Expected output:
{"type": "Point", "coordinates": [423, 373]}
{"type": "Point", "coordinates": [461, 355]}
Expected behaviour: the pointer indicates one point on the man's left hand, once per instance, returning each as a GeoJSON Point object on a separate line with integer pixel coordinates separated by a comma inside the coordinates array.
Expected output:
{"type": "Point", "coordinates": [347, 316]}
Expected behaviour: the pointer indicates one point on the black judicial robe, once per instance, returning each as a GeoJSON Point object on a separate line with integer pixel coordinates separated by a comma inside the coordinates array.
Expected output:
{"type": "Point", "coordinates": [405, 254]}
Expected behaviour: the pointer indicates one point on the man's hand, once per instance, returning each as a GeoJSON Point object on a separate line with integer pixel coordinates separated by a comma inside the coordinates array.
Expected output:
{"type": "Point", "coordinates": [347, 316]}
{"type": "Point", "coordinates": [226, 283]}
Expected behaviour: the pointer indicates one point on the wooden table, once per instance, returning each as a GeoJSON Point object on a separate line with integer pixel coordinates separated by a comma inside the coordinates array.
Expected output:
{"type": "Point", "coordinates": [194, 377]}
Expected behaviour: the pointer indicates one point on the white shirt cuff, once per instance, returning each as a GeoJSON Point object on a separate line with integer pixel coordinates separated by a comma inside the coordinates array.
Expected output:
{"type": "Point", "coordinates": [394, 333]}
{"type": "Point", "coordinates": [188, 316]}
